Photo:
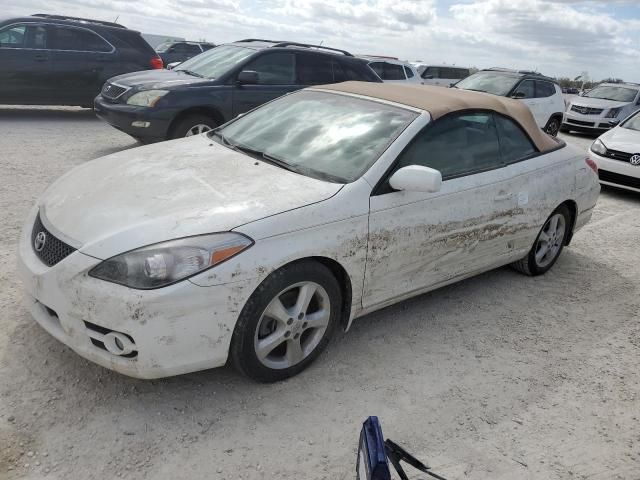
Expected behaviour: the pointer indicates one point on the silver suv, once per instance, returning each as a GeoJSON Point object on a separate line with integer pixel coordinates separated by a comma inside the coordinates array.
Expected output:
{"type": "Point", "coordinates": [602, 108]}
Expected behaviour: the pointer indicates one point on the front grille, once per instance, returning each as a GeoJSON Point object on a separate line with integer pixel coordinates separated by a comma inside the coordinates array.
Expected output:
{"type": "Point", "coordinates": [618, 179]}
{"type": "Point", "coordinates": [580, 122]}
{"type": "Point", "coordinates": [51, 250]}
{"type": "Point", "coordinates": [113, 91]}
{"type": "Point", "coordinates": [586, 110]}
{"type": "Point", "coordinates": [618, 155]}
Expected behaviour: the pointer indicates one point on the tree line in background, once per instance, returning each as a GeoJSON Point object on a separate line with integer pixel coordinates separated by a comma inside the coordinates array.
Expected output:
{"type": "Point", "coordinates": [566, 82]}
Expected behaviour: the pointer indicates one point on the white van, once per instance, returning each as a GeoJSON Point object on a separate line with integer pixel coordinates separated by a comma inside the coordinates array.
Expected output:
{"type": "Point", "coordinates": [442, 75]}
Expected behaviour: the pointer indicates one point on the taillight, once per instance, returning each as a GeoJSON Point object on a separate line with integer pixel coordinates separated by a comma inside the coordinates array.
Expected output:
{"type": "Point", "coordinates": [156, 62]}
{"type": "Point", "coordinates": [592, 165]}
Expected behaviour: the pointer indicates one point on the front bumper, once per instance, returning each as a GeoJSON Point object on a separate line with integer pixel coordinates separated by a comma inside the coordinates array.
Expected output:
{"type": "Point", "coordinates": [617, 173]}
{"type": "Point", "coordinates": [587, 123]}
{"type": "Point", "coordinates": [125, 118]}
{"type": "Point", "coordinates": [177, 329]}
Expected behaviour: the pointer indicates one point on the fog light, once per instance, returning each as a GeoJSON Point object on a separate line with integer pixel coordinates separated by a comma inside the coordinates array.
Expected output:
{"type": "Point", "coordinates": [140, 124]}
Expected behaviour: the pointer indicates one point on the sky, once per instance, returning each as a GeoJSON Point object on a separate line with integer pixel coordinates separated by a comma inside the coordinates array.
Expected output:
{"type": "Point", "coordinates": [555, 37]}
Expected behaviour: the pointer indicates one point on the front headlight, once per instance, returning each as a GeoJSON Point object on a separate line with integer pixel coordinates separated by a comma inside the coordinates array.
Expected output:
{"type": "Point", "coordinates": [613, 112]}
{"type": "Point", "coordinates": [162, 264]}
{"type": "Point", "coordinates": [598, 147]}
{"type": "Point", "coordinates": [148, 98]}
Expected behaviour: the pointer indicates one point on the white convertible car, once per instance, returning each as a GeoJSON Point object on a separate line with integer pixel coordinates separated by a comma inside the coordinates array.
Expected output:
{"type": "Point", "coordinates": [254, 242]}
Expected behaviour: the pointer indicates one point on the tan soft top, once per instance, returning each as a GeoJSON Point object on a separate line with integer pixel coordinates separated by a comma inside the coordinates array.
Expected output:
{"type": "Point", "coordinates": [439, 101]}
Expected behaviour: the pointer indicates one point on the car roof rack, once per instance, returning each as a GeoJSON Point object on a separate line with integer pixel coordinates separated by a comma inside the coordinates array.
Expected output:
{"type": "Point", "coordinates": [78, 19]}
{"type": "Point", "coordinates": [294, 44]}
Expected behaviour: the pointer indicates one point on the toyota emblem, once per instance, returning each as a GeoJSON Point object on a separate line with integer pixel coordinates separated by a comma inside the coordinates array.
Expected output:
{"type": "Point", "coordinates": [635, 159]}
{"type": "Point", "coordinates": [38, 243]}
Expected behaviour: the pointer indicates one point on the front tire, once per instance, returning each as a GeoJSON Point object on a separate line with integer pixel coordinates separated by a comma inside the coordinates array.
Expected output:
{"type": "Point", "coordinates": [287, 322]}
{"type": "Point", "coordinates": [553, 126]}
{"type": "Point", "coordinates": [548, 245]}
{"type": "Point", "coordinates": [194, 124]}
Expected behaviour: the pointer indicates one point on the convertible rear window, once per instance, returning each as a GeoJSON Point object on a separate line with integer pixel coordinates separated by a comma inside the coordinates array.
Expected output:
{"type": "Point", "coordinates": [324, 135]}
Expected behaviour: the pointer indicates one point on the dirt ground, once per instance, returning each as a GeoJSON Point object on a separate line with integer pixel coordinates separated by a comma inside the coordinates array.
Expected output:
{"type": "Point", "coordinates": [500, 376]}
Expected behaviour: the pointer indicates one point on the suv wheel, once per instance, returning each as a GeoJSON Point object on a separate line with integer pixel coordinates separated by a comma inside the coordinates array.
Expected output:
{"type": "Point", "coordinates": [193, 125]}
{"type": "Point", "coordinates": [553, 126]}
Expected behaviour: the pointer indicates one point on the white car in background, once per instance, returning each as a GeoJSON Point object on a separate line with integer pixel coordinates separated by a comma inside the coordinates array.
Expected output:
{"type": "Point", "coordinates": [602, 107]}
{"type": "Point", "coordinates": [617, 154]}
{"type": "Point", "coordinates": [440, 75]}
{"type": "Point", "coordinates": [541, 94]}
{"type": "Point", "coordinates": [254, 242]}
{"type": "Point", "coordinates": [392, 70]}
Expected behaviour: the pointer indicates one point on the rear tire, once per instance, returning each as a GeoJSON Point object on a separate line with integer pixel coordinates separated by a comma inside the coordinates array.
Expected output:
{"type": "Point", "coordinates": [279, 333]}
{"type": "Point", "coordinates": [548, 244]}
{"type": "Point", "coordinates": [193, 124]}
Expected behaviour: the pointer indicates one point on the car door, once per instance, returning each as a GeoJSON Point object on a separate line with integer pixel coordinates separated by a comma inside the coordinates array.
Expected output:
{"type": "Point", "coordinates": [79, 59]}
{"type": "Point", "coordinates": [526, 92]}
{"type": "Point", "coordinates": [540, 182]}
{"type": "Point", "coordinates": [25, 64]}
{"type": "Point", "coordinates": [431, 76]}
{"type": "Point", "coordinates": [423, 240]}
{"type": "Point", "coordinates": [545, 92]}
{"type": "Point", "coordinates": [276, 76]}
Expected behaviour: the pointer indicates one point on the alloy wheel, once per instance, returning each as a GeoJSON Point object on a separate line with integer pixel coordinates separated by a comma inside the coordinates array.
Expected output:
{"type": "Point", "coordinates": [292, 325]}
{"type": "Point", "coordinates": [198, 129]}
{"type": "Point", "coordinates": [550, 240]}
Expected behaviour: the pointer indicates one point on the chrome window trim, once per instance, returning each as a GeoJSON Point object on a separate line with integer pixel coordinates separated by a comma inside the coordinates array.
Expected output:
{"type": "Point", "coordinates": [44, 24]}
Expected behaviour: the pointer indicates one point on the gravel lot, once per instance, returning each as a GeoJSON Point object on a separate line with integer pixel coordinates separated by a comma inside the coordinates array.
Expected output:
{"type": "Point", "coordinates": [500, 376]}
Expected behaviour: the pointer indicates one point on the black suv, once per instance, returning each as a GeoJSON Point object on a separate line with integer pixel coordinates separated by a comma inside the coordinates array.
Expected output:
{"type": "Point", "coordinates": [59, 60]}
{"type": "Point", "coordinates": [220, 84]}
{"type": "Point", "coordinates": [173, 51]}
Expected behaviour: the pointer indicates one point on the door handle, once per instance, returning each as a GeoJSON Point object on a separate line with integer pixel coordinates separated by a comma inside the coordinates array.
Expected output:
{"type": "Point", "coordinates": [41, 57]}
{"type": "Point", "coordinates": [503, 197]}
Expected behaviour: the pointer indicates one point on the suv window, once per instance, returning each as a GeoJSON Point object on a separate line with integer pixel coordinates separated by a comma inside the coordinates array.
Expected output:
{"type": "Point", "coordinates": [433, 72]}
{"type": "Point", "coordinates": [514, 143]}
{"type": "Point", "coordinates": [314, 69]}
{"type": "Point", "coordinates": [391, 71]}
{"type": "Point", "coordinates": [23, 36]}
{"type": "Point", "coordinates": [185, 48]}
{"type": "Point", "coordinates": [13, 37]}
{"type": "Point", "coordinates": [456, 145]}
{"type": "Point", "coordinates": [77, 39]}
{"type": "Point", "coordinates": [544, 89]}
{"type": "Point", "coordinates": [527, 87]}
{"type": "Point", "coordinates": [408, 72]}
{"type": "Point", "coordinates": [274, 69]}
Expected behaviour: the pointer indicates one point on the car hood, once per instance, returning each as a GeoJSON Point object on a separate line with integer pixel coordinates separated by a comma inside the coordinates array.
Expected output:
{"type": "Point", "coordinates": [170, 190]}
{"type": "Point", "coordinates": [622, 139]}
{"type": "Point", "coordinates": [596, 102]}
{"type": "Point", "coordinates": [154, 79]}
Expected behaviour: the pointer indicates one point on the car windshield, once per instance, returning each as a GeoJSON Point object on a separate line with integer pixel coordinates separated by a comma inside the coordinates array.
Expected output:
{"type": "Point", "coordinates": [163, 47]}
{"type": "Point", "coordinates": [323, 135]}
{"type": "Point", "coordinates": [490, 82]}
{"type": "Point", "coordinates": [632, 123]}
{"type": "Point", "coordinates": [609, 92]}
{"type": "Point", "coordinates": [217, 61]}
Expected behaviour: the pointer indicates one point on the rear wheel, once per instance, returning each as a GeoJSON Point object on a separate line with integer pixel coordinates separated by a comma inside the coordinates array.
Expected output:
{"type": "Point", "coordinates": [287, 322]}
{"type": "Point", "coordinates": [548, 245]}
{"type": "Point", "coordinates": [193, 125]}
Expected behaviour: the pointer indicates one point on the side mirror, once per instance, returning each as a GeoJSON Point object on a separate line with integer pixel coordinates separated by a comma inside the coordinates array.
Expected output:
{"type": "Point", "coordinates": [416, 178]}
{"type": "Point", "coordinates": [248, 77]}
{"type": "Point", "coordinates": [518, 95]}
{"type": "Point", "coordinates": [172, 65]}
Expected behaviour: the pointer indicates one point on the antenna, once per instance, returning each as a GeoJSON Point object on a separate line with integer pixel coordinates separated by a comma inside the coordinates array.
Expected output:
{"type": "Point", "coordinates": [116, 20]}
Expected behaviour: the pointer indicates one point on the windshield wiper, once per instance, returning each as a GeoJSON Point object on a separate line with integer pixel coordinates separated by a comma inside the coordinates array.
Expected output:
{"type": "Point", "coordinates": [192, 73]}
